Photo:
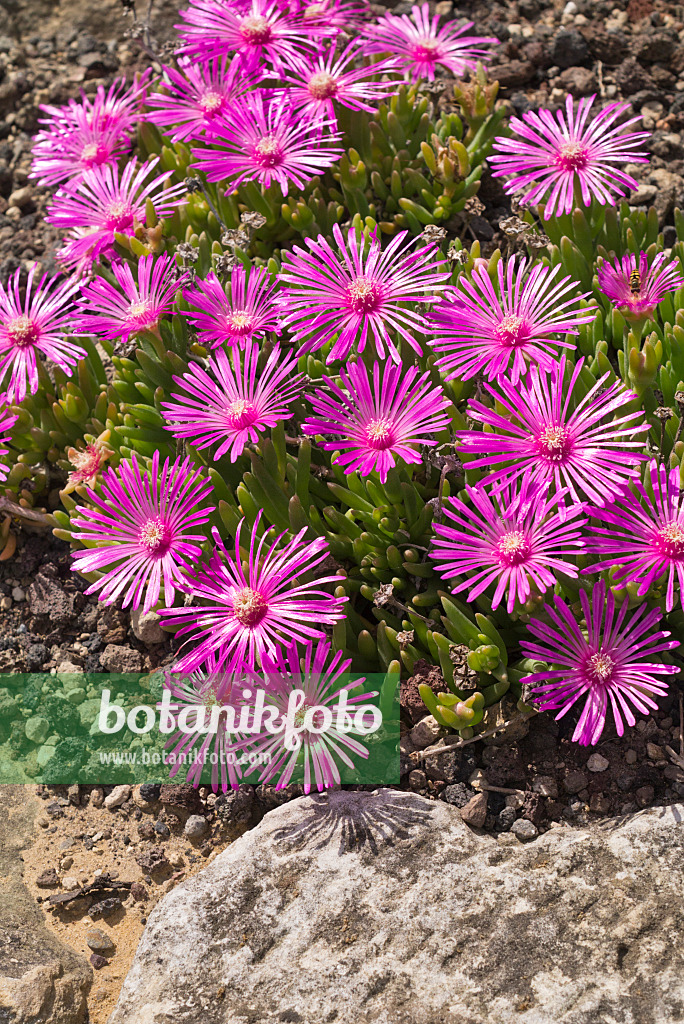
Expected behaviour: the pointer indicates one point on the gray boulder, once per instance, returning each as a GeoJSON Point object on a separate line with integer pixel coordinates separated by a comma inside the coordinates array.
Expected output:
{"type": "Point", "coordinates": [384, 908]}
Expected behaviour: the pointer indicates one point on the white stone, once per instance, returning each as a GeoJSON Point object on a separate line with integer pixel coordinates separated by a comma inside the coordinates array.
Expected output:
{"type": "Point", "coordinates": [426, 732]}
{"type": "Point", "coordinates": [118, 796]}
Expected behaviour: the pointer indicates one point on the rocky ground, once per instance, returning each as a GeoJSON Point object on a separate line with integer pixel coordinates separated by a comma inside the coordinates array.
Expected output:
{"type": "Point", "coordinates": [524, 782]}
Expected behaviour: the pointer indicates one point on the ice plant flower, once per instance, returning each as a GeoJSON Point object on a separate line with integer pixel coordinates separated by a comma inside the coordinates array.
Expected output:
{"type": "Point", "coordinates": [142, 529]}
{"type": "Point", "coordinates": [317, 746]}
{"type": "Point", "coordinates": [233, 405]}
{"type": "Point", "coordinates": [419, 45]}
{"type": "Point", "coordinates": [317, 82]}
{"type": "Point", "coordinates": [260, 33]}
{"type": "Point", "coordinates": [133, 307]}
{"type": "Point", "coordinates": [516, 539]}
{"type": "Point", "coordinates": [196, 95]}
{"type": "Point", "coordinates": [254, 611]}
{"type": "Point", "coordinates": [635, 288]}
{"type": "Point", "coordinates": [106, 202]}
{"type": "Point", "coordinates": [546, 433]}
{"type": "Point", "coordinates": [7, 421]}
{"type": "Point", "coordinates": [643, 534]}
{"type": "Point", "coordinates": [205, 693]}
{"type": "Point", "coordinates": [87, 134]}
{"type": "Point", "coordinates": [34, 326]}
{"type": "Point", "coordinates": [264, 140]}
{"type": "Point", "coordinates": [376, 420]}
{"type": "Point", "coordinates": [604, 663]}
{"type": "Point", "coordinates": [246, 310]}
{"type": "Point", "coordinates": [556, 159]}
{"type": "Point", "coordinates": [88, 462]}
{"type": "Point", "coordinates": [359, 292]}
{"type": "Point", "coordinates": [479, 328]}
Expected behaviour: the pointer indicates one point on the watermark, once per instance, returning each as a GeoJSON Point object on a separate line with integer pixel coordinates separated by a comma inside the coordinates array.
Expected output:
{"type": "Point", "coordinates": [219, 729]}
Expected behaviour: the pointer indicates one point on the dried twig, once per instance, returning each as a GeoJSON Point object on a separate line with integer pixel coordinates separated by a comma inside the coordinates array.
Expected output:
{"type": "Point", "coordinates": [435, 751]}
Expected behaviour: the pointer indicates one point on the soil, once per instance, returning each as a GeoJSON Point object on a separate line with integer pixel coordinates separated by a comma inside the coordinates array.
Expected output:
{"type": "Point", "coordinates": [533, 772]}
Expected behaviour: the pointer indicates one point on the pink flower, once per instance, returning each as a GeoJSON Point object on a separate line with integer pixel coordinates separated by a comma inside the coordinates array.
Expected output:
{"type": "Point", "coordinates": [318, 750]}
{"type": "Point", "coordinates": [140, 528]}
{"type": "Point", "coordinates": [114, 313]}
{"type": "Point", "coordinates": [643, 534]}
{"type": "Point", "coordinates": [419, 45]}
{"type": "Point", "coordinates": [636, 291]}
{"type": "Point", "coordinates": [515, 539]}
{"type": "Point", "coordinates": [376, 421]}
{"type": "Point", "coordinates": [358, 292]}
{"type": "Point", "coordinates": [196, 95]}
{"type": "Point", "coordinates": [245, 312]}
{"type": "Point", "coordinates": [264, 140]}
{"type": "Point", "coordinates": [316, 83]}
{"type": "Point", "coordinates": [553, 158]}
{"type": "Point", "coordinates": [481, 329]}
{"type": "Point", "coordinates": [604, 663]}
{"type": "Point", "coordinates": [253, 612]}
{"type": "Point", "coordinates": [233, 406]}
{"type": "Point", "coordinates": [7, 421]}
{"type": "Point", "coordinates": [34, 325]}
{"type": "Point", "coordinates": [87, 134]}
{"type": "Point", "coordinates": [263, 32]}
{"type": "Point", "coordinates": [103, 204]}
{"type": "Point", "coordinates": [546, 430]}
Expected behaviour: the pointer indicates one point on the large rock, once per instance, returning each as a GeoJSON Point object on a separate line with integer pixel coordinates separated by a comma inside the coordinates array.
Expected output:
{"type": "Point", "coordinates": [41, 981]}
{"type": "Point", "coordinates": [384, 908]}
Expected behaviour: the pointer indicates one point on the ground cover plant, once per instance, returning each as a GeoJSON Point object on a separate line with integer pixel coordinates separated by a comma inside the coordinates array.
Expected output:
{"type": "Point", "coordinates": [279, 395]}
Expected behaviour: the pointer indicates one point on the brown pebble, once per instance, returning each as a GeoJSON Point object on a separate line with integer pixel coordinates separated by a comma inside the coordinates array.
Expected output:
{"type": "Point", "coordinates": [475, 811]}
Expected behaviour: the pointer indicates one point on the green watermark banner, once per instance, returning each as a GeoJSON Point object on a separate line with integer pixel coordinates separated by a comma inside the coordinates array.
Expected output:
{"type": "Point", "coordinates": [219, 730]}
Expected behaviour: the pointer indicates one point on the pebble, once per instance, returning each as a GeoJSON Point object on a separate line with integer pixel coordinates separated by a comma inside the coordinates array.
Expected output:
{"type": "Point", "coordinates": [147, 627]}
{"type": "Point", "coordinates": [48, 879]}
{"type": "Point", "coordinates": [119, 795]}
{"type": "Point", "coordinates": [425, 733]}
{"type": "Point", "coordinates": [18, 595]}
{"type": "Point", "coordinates": [99, 941]}
{"type": "Point", "coordinates": [631, 756]}
{"type": "Point", "coordinates": [644, 796]}
{"type": "Point", "coordinates": [524, 830]}
{"type": "Point", "coordinates": [545, 785]}
{"type": "Point", "coordinates": [417, 779]}
{"type": "Point", "coordinates": [598, 763]}
{"type": "Point", "coordinates": [475, 811]}
{"type": "Point", "coordinates": [70, 883]}
{"type": "Point", "coordinates": [65, 863]}
{"type": "Point", "coordinates": [574, 782]}
{"type": "Point", "coordinates": [655, 752]}
{"type": "Point", "coordinates": [196, 827]}
{"type": "Point", "coordinates": [97, 797]}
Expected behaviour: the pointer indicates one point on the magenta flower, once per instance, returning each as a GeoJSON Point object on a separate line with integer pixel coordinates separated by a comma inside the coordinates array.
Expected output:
{"type": "Point", "coordinates": [104, 203]}
{"type": "Point", "coordinates": [515, 539]}
{"type": "Point", "coordinates": [87, 134]}
{"type": "Point", "coordinates": [644, 534]}
{"type": "Point", "coordinates": [546, 432]}
{"type": "Point", "coordinates": [376, 421]}
{"type": "Point", "coordinates": [140, 527]}
{"type": "Point", "coordinates": [359, 292]}
{"type": "Point", "coordinates": [636, 291]}
{"type": "Point", "coordinates": [113, 313]}
{"type": "Point", "coordinates": [253, 612]}
{"type": "Point", "coordinates": [233, 406]}
{"type": "Point", "coordinates": [265, 141]}
{"type": "Point", "coordinates": [7, 421]}
{"type": "Point", "coordinates": [311, 745]}
{"type": "Point", "coordinates": [479, 331]}
{"type": "Point", "coordinates": [556, 158]}
{"type": "Point", "coordinates": [245, 312]}
{"type": "Point", "coordinates": [317, 82]}
{"type": "Point", "coordinates": [262, 32]}
{"type": "Point", "coordinates": [604, 662]}
{"type": "Point", "coordinates": [419, 45]}
{"type": "Point", "coordinates": [31, 326]}
{"type": "Point", "coordinates": [197, 95]}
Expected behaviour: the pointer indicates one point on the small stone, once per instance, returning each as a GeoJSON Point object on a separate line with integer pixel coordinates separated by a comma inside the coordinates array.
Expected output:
{"type": "Point", "coordinates": [76, 696]}
{"type": "Point", "coordinates": [545, 785]}
{"type": "Point", "coordinates": [427, 732]}
{"type": "Point", "coordinates": [139, 892]}
{"type": "Point", "coordinates": [149, 791]}
{"type": "Point", "coordinates": [417, 779]}
{"type": "Point", "coordinates": [515, 800]}
{"type": "Point", "coordinates": [655, 752]}
{"type": "Point", "coordinates": [97, 797]}
{"type": "Point", "coordinates": [457, 794]}
{"type": "Point", "coordinates": [22, 198]}
{"type": "Point", "coordinates": [100, 942]}
{"type": "Point", "coordinates": [65, 863]}
{"type": "Point", "coordinates": [98, 961]}
{"type": "Point", "coordinates": [600, 803]}
{"type": "Point", "coordinates": [574, 782]}
{"type": "Point", "coordinates": [162, 829]}
{"type": "Point", "coordinates": [475, 811]}
{"type": "Point", "coordinates": [147, 627]}
{"type": "Point", "coordinates": [505, 818]}
{"type": "Point", "coordinates": [569, 49]}
{"type": "Point", "coordinates": [37, 729]}
{"type": "Point", "coordinates": [18, 595]}
{"type": "Point", "coordinates": [524, 830]}
{"type": "Point", "coordinates": [118, 796]}
{"type": "Point", "coordinates": [644, 796]}
{"type": "Point", "coordinates": [631, 756]}
{"type": "Point", "coordinates": [598, 763]}
{"type": "Point", "coordinates": [643, 196]}
{"type": "Point", "coordinates": [48, 879]}
{"type": "Point", "coordinates": [69, 884]}
{"type": "Point", "coordinates": [116, 658]}
{"type": "Point", "coordinates": [196, 827]}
